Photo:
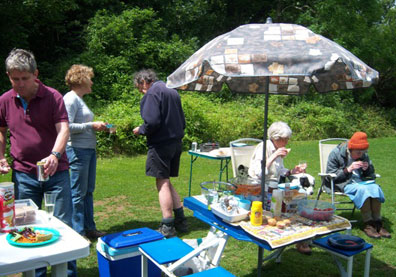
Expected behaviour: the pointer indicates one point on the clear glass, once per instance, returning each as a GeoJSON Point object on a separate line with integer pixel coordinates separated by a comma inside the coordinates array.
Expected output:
{"type": "Point", "coordinates": [112, 128]}
{"type": "Point", "coordinates": [287, 194]}
{"type": "Point", "coordinates": [49, 202]}
{"type": "Point", "coordinates": [302, 165]}
{"type": "Point", "coordinates": [211, 197]}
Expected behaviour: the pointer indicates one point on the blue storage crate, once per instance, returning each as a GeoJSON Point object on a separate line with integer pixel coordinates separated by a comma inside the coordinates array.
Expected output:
{"type": "Point", "coordinates": [119, 256]}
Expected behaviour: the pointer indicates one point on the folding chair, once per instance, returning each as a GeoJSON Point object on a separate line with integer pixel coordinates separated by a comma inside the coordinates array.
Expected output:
{"type": "Point", "coordinates": [325, 147]}
{"type": "Point", "coordinates": [241, 152]}
{"type": "Point", "coordinates": [171, 254]}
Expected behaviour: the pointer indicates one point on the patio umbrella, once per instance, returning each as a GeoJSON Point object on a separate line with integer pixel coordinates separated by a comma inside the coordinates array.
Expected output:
{"type": "Point", "coordinates": [272, 58]}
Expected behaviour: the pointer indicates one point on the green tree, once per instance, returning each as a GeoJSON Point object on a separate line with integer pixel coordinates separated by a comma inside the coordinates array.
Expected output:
{"type": "Point", "coordinates": [367, 29]}
{"type": "Point", "coordinates": [119, 45]}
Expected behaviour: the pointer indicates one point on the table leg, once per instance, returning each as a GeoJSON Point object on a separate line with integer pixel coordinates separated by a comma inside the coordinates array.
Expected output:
{"type": "Point", "coordinates": [260, 261]}
{"type": "Point", "coordinates": [144, 266]}
{"type": "Point", "coordinates": [367, 263]}
{"type": "Point", "coordinates": [30, 273]}
{"type": "Point", "coordinates": [350, 267]}
{"type": "Point", "coordinates": [191, 167]}
{"type": "Point", "coordinates": [226, 167]}
{"type": "Point", "coordinates": [59, 270]}
{"type": "Point", "coordinates": [222, 167]}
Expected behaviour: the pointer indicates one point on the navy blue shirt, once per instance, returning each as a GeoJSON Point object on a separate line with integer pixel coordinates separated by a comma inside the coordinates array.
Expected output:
{"type": "Point", "coordinates": [162, 114]}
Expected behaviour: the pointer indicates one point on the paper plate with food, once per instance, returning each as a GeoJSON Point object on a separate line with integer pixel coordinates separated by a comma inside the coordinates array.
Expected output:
{"type": "Point", "coordinates": [32, 236]}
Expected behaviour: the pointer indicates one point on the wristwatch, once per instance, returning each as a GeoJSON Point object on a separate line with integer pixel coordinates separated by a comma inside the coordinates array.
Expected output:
{"type": "Point", "coordinates": [56, 154]}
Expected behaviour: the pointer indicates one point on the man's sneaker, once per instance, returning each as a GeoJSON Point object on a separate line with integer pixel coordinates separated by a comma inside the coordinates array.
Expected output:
{"type": "Point", "coordinates": [181, 224]}
{"type": "Point", "coordinates": [168, 230]}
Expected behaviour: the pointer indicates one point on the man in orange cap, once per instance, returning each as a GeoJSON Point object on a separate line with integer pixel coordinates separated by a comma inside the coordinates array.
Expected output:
{"type": "Point", "coordinates": [352, 166]}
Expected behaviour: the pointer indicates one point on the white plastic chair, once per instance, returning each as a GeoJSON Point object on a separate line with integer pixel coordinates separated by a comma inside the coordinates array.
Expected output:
{"type": "Point", "coordinates": [325, 148]}
{"type": "Point", "coordinates": [241, 153]}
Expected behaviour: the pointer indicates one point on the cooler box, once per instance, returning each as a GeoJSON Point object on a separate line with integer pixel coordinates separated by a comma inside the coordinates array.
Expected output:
{"type": "Point", "coordinates": [119, 256]}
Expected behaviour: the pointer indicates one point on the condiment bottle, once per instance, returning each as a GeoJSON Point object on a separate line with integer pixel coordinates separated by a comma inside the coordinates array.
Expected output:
{"type": "Point", "coordinates": [276, 202]}
{"type": "Point", "coordinates": [271, 186]}
{"type": "Point", "coordinates": [287, 197]}
{"type": "Point", "coordinates": [256, 213]}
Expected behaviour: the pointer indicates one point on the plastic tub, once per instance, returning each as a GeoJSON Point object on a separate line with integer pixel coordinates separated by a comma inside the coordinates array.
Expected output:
{"type": "Point", "coordinates": [25, 212]}
{"type": "Point", "coordinates": [316, 210]}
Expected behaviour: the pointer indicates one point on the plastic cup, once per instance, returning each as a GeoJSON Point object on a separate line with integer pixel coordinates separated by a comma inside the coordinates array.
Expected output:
{"type": "Point", "coordinates": [49, 202]}
{"type": "Point", "coordinates": [244, 204]}
{"type": "Point", "coordinates": [112, 128]}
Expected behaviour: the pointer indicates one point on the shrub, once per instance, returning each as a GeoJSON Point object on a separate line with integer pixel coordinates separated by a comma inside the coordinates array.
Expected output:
{"type": "Point", "coordinates": [210, 119]}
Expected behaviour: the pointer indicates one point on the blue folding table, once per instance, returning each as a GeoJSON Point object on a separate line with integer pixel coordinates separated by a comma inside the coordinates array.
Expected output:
{"type": "Point", "coordinates": [202, 213]}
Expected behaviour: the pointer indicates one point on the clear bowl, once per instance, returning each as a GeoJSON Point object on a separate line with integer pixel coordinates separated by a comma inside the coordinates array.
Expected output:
{"type": "Point", "coordinates": [219, 187]}
{"type": "Point", "coordinates": [316, 210]}
{"type": "Point", "coordinates": [246, 186]}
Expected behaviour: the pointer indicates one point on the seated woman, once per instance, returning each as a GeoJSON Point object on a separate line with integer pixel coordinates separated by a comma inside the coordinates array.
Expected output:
{"type": "Point", "coordinates": [351, 164]}
{"type": "Point", "coordinates": [279, 134]}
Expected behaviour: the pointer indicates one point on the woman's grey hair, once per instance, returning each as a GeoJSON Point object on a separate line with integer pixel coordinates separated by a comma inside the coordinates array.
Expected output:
{"type": "Point", "coordinates": [147, 75]}
{"type": "Point", "coordinates": [21, 60]}
{"type": "Point", "coordinates": [279, 130]}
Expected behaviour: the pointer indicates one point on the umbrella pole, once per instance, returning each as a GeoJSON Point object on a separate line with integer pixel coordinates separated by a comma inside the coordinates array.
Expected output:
{"type": "Point", "coordinates": [264, 159]}
{"type": "Point", "coordinates": [263, 167]}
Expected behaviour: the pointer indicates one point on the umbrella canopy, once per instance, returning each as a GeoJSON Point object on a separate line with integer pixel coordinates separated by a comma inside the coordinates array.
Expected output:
{"type": "Point", "coordinates": [292, 56]}
{"type": "Point", "coordinates": [272, 59]}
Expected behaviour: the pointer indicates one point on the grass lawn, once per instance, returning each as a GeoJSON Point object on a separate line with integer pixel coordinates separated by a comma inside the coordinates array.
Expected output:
{"type": "Point", "coordinates": [126, 199]}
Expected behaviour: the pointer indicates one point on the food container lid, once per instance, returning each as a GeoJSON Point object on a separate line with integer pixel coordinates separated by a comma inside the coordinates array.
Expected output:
{"type": "Point", "coordinates": [25, 202]}
{"type": "Point", "coordinates": [245, 180]}
{"type": "Point", "coordinates": [131, 238]}
{"type": "Point", "coordinates": [218, 186]}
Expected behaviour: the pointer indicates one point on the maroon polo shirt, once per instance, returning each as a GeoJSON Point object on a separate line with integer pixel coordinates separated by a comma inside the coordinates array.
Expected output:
{"type": "Point", "coordinates": [33, 132]}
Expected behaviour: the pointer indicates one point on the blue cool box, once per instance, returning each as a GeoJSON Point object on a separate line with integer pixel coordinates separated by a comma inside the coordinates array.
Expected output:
{"type": "Point", "coordinates": [119, 256]}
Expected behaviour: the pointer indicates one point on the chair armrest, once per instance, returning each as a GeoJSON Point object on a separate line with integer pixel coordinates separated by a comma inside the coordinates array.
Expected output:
{"type": "Point", "coordinates": [331, 175]}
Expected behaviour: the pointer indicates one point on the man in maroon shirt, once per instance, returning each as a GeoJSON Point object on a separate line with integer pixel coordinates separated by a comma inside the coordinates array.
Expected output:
{"type": "Point", "coordinates": [36, 118]}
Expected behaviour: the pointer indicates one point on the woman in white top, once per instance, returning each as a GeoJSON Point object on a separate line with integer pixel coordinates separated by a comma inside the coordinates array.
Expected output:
{"type": "Point", "coordinates": [81, 149]}
{"type": "Point", "coordinates": [279, 134]}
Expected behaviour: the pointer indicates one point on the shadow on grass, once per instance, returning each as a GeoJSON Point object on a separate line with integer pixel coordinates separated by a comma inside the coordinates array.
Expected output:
{"type": "Point", "coordinates": [387, 224]}
{"type": "Point", "coordinates": [193, 225]}
{"type": "Point", "coordinates": [319, 263]}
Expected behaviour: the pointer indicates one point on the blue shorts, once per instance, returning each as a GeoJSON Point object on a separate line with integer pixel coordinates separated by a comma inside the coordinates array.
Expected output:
{"type": "Point", "coordinates": [163, 161]}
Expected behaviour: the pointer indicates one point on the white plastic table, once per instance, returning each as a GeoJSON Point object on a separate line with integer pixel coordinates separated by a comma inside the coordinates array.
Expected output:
{"type": "Point", "coordinates": [70, 246]}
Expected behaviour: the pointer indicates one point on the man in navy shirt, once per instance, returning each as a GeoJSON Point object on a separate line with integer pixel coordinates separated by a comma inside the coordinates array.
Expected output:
{"type": "Point", "coordinates": [164, 124]}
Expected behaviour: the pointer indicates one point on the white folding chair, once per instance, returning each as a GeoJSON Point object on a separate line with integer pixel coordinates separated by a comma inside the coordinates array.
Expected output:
{"type": "Point", "coordinates": [325, 147]}
{"type": "Point", "coordinates": [171, 254]}
{"type": "Point", "coordinates": [241, 152]}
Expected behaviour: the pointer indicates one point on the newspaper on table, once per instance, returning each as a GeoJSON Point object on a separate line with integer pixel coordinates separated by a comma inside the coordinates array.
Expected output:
{"type": "Point", "coordinates": [301, 228]}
